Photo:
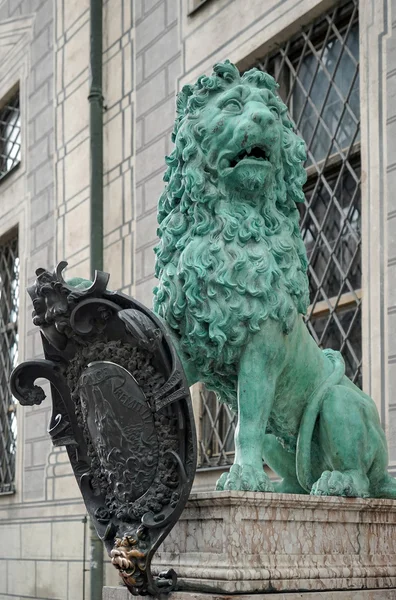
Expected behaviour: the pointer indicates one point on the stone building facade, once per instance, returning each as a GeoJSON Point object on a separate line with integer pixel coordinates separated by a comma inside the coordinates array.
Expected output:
{"type": "Point", "coordinates": [151, 48]}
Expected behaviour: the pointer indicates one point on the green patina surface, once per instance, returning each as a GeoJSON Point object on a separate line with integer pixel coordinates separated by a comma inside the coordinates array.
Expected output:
{"type": "Point", "coordinates": [233, 290]}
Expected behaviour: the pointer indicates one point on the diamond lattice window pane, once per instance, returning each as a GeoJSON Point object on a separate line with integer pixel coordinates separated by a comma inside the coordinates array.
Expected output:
{"type": "Point", "coordinates": [9, 303]}
{"type": "Point", "coordinates": [10, 135]}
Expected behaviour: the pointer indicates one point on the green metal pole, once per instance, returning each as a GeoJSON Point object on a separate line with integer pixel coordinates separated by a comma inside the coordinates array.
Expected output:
{"type": "Point", "coordinates": [96, 564]}
{"type": "Point", "coordinates": [96, 220]}
{"type": "Point", "coordinates": [96, 135]}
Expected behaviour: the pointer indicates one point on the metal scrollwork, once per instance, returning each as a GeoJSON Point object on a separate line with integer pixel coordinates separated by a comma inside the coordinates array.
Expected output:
{"type": "Point", "coordinates": [122, 408]}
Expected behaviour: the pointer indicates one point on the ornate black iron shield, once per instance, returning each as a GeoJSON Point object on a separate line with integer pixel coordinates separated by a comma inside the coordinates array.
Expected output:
{"type": "Point", "coordinates": [122, 408]}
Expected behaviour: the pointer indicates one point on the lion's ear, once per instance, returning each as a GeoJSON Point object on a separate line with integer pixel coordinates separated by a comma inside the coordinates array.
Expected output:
{"type": "Point", "coordinates": [182, 100]}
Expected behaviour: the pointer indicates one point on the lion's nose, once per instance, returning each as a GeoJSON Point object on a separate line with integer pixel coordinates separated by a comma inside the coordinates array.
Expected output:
{"type": "Point", "coordinates": [265, 118]}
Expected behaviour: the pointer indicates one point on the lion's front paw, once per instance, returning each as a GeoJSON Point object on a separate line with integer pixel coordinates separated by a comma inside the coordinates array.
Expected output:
{"type": "Point", "coordinates": [245, 478]}
{"type": "Point", "coordinates": [335, 483]}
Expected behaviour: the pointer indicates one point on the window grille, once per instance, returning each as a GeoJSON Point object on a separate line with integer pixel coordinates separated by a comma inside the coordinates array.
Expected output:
{"type": "Point", "coordinates": [9, 303]}
{"type": "Point", "coordinates": [10, 135]}
{"type": "Point", "coordinates": [318, 74]}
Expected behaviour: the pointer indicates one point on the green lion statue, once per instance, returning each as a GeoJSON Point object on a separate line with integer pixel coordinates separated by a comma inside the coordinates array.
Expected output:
{"type": "Point", "coordinates": [233, 289]}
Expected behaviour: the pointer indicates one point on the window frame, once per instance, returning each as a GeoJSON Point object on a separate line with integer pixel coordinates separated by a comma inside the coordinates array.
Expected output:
{"type": "Point", "coordinates": [9, 328]}
{"type": "Point", "coordinates": [10, 101]}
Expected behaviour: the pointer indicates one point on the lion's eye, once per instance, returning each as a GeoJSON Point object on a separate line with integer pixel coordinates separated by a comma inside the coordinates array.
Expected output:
{"type": "Point", "coordinates": [274, 110]}
{"type": "Point", "coordinates": [232, 105]}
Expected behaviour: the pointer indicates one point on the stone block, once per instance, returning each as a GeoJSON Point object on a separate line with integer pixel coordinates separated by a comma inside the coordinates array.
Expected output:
{"type": "Point", "coordinates": [44, 232]}
{"type": "Point", "coordinates": [77, 169]}
{"type": "Point", "coordinates": [44, 176]}
{"type": "Point", "coordinates": [75, 580]}
{"type": "Point", "coordinates": [38, 99]}
{"type": "Point", "coordinates": [111, 576]}
{"type": "Point", "coordinates": [150, 27]}
{"type": "Point", "coordinates": [151, 93]}
{"type": "Point", "coordinates": [44, 122]}
{"type": "Point", "coordinates": [113, 146]}
{"type": "Point", "coordinates": [66, 488]}
{"type": "Point", "coordinates": [153, 189]}
{"type": "Point", "coordinates": [44, 16]}
{"type": "Point", "coordinates": [33, 484]}
{"type": "Point", "coordinates": [43, 70]}
{"type": "Point", "coordinates": [162, 51]}
{"type": "Point", "coordinates": [139, 69]}
{"type": "Point", "coordinates": [159, 120]}
{"type": "Point", "coordinates": [3, 578]}
{"type": "Point", "coordinates": [128, 260]}
{"type": "Point", "coordinates": [151, 159]}
{"type": "Point", "coordinates": [149, 261]}
{"type": "Point", "coordinates": [174, 70]}
{"type": "Point", "coordinates": [40, 45]}
{"type": "Point", "coordinates": [144, 291]}
{"type": "Point", "coordinates": [113, 76]}
{"type": "Point", "coordinates": [38, 154]}
{"type": "Point", "coordinates": [11, 549]}
{"type": "Point", "coordinates": [76, 54]}
{"type": "Point", "coordinates": [128, 195]}
{"type": "Point", "coordinates": [128, 67]}
{"type": "Point", "coordinates": [172, 12]}
{"type": "Point", "coordinates": [67, 540]}
{"type": "Point", "coordinates": [75, 8]}
{"type": "Point", "coordinates": [112, 23]}
{"type": "Point", "coordinates": [127, 133]}
{"type": "Point", "coordinates": [36, 425]}
{"type": "Point", "coordinates": [40, 450]}
{"type": "Point", "coordinates": [51, 579]}
{"type": "Point", "coordinates": [112, 206]}
{"type": "Point", "coordinates": [36, 540]}
{"type": "Point", "coordinates": [250, 543]}
{"type": "Point", "coordinates": [76, 112]}
{"type": "Point", "coordinates": [112, 262]}
{"type": "Point", "coordinates": [77, 228]}
{"type": "Point", "coordinates": [19, 584]}
{"type": "Point", "coordinates": [146, 230]}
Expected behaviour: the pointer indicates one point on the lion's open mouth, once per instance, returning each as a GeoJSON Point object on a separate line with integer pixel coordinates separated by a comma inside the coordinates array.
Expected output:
{"type": "Point", "coordinates": [256, 152]}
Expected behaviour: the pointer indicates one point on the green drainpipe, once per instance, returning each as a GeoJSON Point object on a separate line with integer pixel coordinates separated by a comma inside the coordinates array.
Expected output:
{"type": "Point", "coordinates": [96, 220]}
{"type": "Point", "coordinates": [96, 135]}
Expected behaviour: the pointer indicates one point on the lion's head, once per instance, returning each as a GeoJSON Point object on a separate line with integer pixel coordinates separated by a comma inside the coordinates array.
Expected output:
{"type": "Point", "coordinates": [230, 252]}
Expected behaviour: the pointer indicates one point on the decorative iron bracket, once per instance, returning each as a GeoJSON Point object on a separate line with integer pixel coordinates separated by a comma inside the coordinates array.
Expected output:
{"type": "Point", "coordinates": [122, 408]}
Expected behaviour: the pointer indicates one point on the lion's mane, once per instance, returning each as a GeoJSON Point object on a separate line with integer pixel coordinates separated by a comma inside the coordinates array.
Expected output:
{"type": "Point", "coordinates": [225, 265]}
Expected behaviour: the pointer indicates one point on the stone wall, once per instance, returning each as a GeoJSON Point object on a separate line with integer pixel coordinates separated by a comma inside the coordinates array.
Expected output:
{"type": "Point", "coordinates": [158, 64]}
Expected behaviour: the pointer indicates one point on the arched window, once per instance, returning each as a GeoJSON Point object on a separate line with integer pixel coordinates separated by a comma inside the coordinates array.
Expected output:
{"type": "Point", "coordinates": [10, 135]}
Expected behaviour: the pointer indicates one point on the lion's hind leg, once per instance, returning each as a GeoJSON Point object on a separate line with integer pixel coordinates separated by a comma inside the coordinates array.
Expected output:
{"type": "Point", "coordinates": [386, 488]}
{"type": "Point", "coordinates": [350, 442]}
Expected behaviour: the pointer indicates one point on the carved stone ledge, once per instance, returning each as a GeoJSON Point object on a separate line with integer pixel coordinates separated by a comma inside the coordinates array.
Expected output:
{"type": "Point", "coordinates": [246, 542]}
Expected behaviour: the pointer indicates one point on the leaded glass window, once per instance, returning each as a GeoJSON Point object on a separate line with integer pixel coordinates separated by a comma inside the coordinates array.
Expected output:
{"type": "Point", "coordinates": [9, 303]}
{"type": "Point", "coordinates": [318, 74]}
{"type": "Point", "coordinates": [10, 135]}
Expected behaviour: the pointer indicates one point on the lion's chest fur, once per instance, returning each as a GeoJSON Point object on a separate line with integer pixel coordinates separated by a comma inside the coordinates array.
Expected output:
{"type": "Point", "coordinates": [231, 271]}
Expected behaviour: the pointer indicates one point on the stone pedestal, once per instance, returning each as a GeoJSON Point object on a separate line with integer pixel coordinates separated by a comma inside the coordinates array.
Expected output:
{"type": "Point", "coordinates": [245, 543]}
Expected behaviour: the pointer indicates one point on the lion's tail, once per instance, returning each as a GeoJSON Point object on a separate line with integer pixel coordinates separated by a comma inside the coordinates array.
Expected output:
{"type": "Point", "coordinates": [303, 454]}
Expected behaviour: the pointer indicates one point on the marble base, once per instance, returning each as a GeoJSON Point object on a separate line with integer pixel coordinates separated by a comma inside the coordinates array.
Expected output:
{"type": "Point", "coordinates": [111, 593]}
{"type": "Point", "coordinates": [247, 542]}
